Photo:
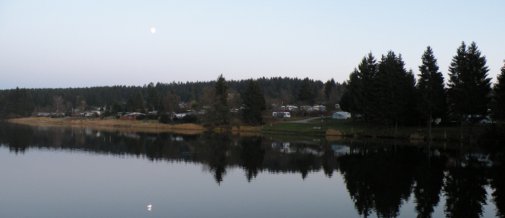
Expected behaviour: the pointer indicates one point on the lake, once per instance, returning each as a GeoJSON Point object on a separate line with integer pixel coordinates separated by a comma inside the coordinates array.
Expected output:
{"type": "Point", "coordinates": [72, 172]}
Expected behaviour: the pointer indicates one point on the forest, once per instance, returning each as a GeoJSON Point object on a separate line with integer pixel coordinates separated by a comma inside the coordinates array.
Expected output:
{"type": "Point", "coordinates": [165, 97]}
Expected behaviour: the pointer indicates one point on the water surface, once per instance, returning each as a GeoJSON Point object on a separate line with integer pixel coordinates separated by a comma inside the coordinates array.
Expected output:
{"type": "Point", "coordinates": [58, 172]}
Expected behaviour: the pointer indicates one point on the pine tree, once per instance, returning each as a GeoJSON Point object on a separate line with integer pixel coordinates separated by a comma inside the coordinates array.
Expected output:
{"type": "Point", "coordinates": [136, 103]}
{"type": "Point", "coordinates": [221, 111]}
{"type": "Point", "coordinates": [306, 93]}
{"type": "Point", "coordinates": [368, 73]}
{"type": "Point", "coordinates": [499, 96]}
{"type": "Point", "coordinates": [352, 101]}
{"type": "Point", "coordinates": [395, 91]}
{"type": "Point", "coordinates": [469, 87]}
{"type": "Point", "coordinates": [430, 86]}
{"type": "Point", "coordinates": [360, 97]}
{"type": "Point", "coordinates": [254, 103]}
{"type": "Point", "coordinates": [153, 98]}
{"type": "Point", "coordinates": [328, 88]}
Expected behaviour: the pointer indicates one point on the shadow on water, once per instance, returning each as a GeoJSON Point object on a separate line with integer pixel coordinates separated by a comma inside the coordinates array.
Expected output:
{"type": "Point", "coordinates": [379, 177]}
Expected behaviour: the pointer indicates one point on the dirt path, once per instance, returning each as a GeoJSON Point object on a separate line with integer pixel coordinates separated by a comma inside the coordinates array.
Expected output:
{"type": "Point", "coordinates": [305, 120]}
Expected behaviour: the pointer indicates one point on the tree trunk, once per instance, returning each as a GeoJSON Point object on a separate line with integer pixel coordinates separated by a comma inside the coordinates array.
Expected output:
{"type": "Point", "coordinates": [429, 128]}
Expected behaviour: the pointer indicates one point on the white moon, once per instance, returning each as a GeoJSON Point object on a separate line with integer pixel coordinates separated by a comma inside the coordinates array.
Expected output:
{"type": "Point", "coordinates": [152, 30]}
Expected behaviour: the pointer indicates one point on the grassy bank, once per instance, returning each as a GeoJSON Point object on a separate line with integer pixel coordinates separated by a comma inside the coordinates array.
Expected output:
{"type": "Point", "coordinates": [328, 128]}
{"type": "Point", "coordinates": [151, 126]}
{"type": "Point", "coordinates": [347, 128]}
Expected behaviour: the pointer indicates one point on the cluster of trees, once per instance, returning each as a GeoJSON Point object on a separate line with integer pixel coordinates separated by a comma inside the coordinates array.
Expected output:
{"type": "Point", "coordinates": [252, 96]}
{"type": "Point", "coordinates": [385, 92]}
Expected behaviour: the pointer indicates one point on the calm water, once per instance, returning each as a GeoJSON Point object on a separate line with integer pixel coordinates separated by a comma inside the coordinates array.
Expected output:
{"type": "Point", "coordinates": [55, 172]}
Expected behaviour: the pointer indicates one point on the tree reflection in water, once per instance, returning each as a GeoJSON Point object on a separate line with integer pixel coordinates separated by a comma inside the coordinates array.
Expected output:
{"type": "Point", "coordinates": [379, 179]}
{"type": "Point", "coordinates": [429, 180]}
{"type": "Point", "coordinates": [465, 192]}
{"type": "Point", "coordinates": [498, 184]}
{"type": "Point", "coordinates": [251, 156]}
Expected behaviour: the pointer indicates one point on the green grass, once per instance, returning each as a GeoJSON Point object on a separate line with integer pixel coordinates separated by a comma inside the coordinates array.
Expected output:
{"type": "Point", "coordinates": [294, 128]}
{"type": "Point", "coordinates": [361, 129]}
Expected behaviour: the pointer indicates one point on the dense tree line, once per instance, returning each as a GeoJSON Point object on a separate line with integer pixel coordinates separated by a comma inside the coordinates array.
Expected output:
{"type": "Point", "coordinates": [385, 92]}
{"type": "Point", "coordinates": [167, 96]}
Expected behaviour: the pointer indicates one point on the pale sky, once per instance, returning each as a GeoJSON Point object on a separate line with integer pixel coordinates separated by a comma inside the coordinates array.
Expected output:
{"type": "Point", "coordinates": [65, 43]}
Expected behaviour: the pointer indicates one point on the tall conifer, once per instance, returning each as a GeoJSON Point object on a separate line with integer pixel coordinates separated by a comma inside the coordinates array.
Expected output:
{"type": "Point", "coordinates": [469, 85]}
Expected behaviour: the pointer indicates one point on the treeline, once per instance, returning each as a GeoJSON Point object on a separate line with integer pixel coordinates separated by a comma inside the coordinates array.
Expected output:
{"type": "Point", "coordinates": [383, 91]}
{"type": "Point", "coordinates": [167, 96]}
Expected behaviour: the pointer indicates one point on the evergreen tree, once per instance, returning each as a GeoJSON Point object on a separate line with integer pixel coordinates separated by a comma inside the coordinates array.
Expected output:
{"type": "Point", "coordinates": [430, 86]}
{"type": "Point", "coordinates": [170, 102]}
{"type": "Point", "coordinates": [469, 87]}
{"type": "Point", "coordinates": [368, 73]}
{"type": "Point", "coordinates": [352, 101]}
{"type": "Point", "coordinates": [361, 89]}
{"type": "Point", "coordinates": [254, 103]}
{"type": "Point", "coordinates": [499, 97]}
{"type": "Point", "coordinates": [153, 98]}
{"type": "Point", "coordinates": [328, 88]}
{"type": "Point", "coordinates": [220, 111]}
{"type": "Point", "coordinates": [395, 91]}
{"type": "Point", "coordinates": [136, 103]}
{"type": "Point", "coordinates": [306, 93]}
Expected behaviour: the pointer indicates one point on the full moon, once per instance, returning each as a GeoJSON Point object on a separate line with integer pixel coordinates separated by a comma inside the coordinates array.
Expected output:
{"type": "Point", "coordinates": [152, 30]}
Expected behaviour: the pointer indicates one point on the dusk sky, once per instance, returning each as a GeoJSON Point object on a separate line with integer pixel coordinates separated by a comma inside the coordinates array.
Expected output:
{"type": "Point", "coordinates": [62, 43]}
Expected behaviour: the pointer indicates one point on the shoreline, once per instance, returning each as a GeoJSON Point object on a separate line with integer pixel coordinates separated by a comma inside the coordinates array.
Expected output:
{"type": "Point", "coordinates": [112, 125]}
{"type": "Point", "coordinates": [146, 126]}
{"type": "Point", "coordinates": [331, 131]}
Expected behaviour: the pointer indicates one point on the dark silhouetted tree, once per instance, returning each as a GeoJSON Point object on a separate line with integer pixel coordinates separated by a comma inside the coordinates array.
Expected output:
{"type": "Point", "coordinates": [219, 112]}
{"type": "Point", "coordinates": [469, 87]}
{"type": "Point", "coordinates": [153, 98]}
{"type": "Point", "coordinates": [136, 103]}
{"type": "Point", "coordinates": [430, 86]}
{"type": "Point", "coordinates": [360, 89]}
{"type": "Point", "coordinates": [254, 103]}
{"type": "Point", "coordinates": [367, 72]}
{"type": "Point", "coordinates": [395, 91]}
{"type": "Point", "coordinates": [307, 93]}
{"type": "Point", "coordinates": [170, 103]}
{"type": "Point", "coordinates": [499, 97]}
{"type": "Point", "coordinates": [329, 86]}
{"type": "Point", "coordinates": [352, 100]}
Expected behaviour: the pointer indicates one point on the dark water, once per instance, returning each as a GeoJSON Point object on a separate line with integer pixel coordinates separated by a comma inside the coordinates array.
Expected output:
{"type": "Point", "coordinates": [55, 172]}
